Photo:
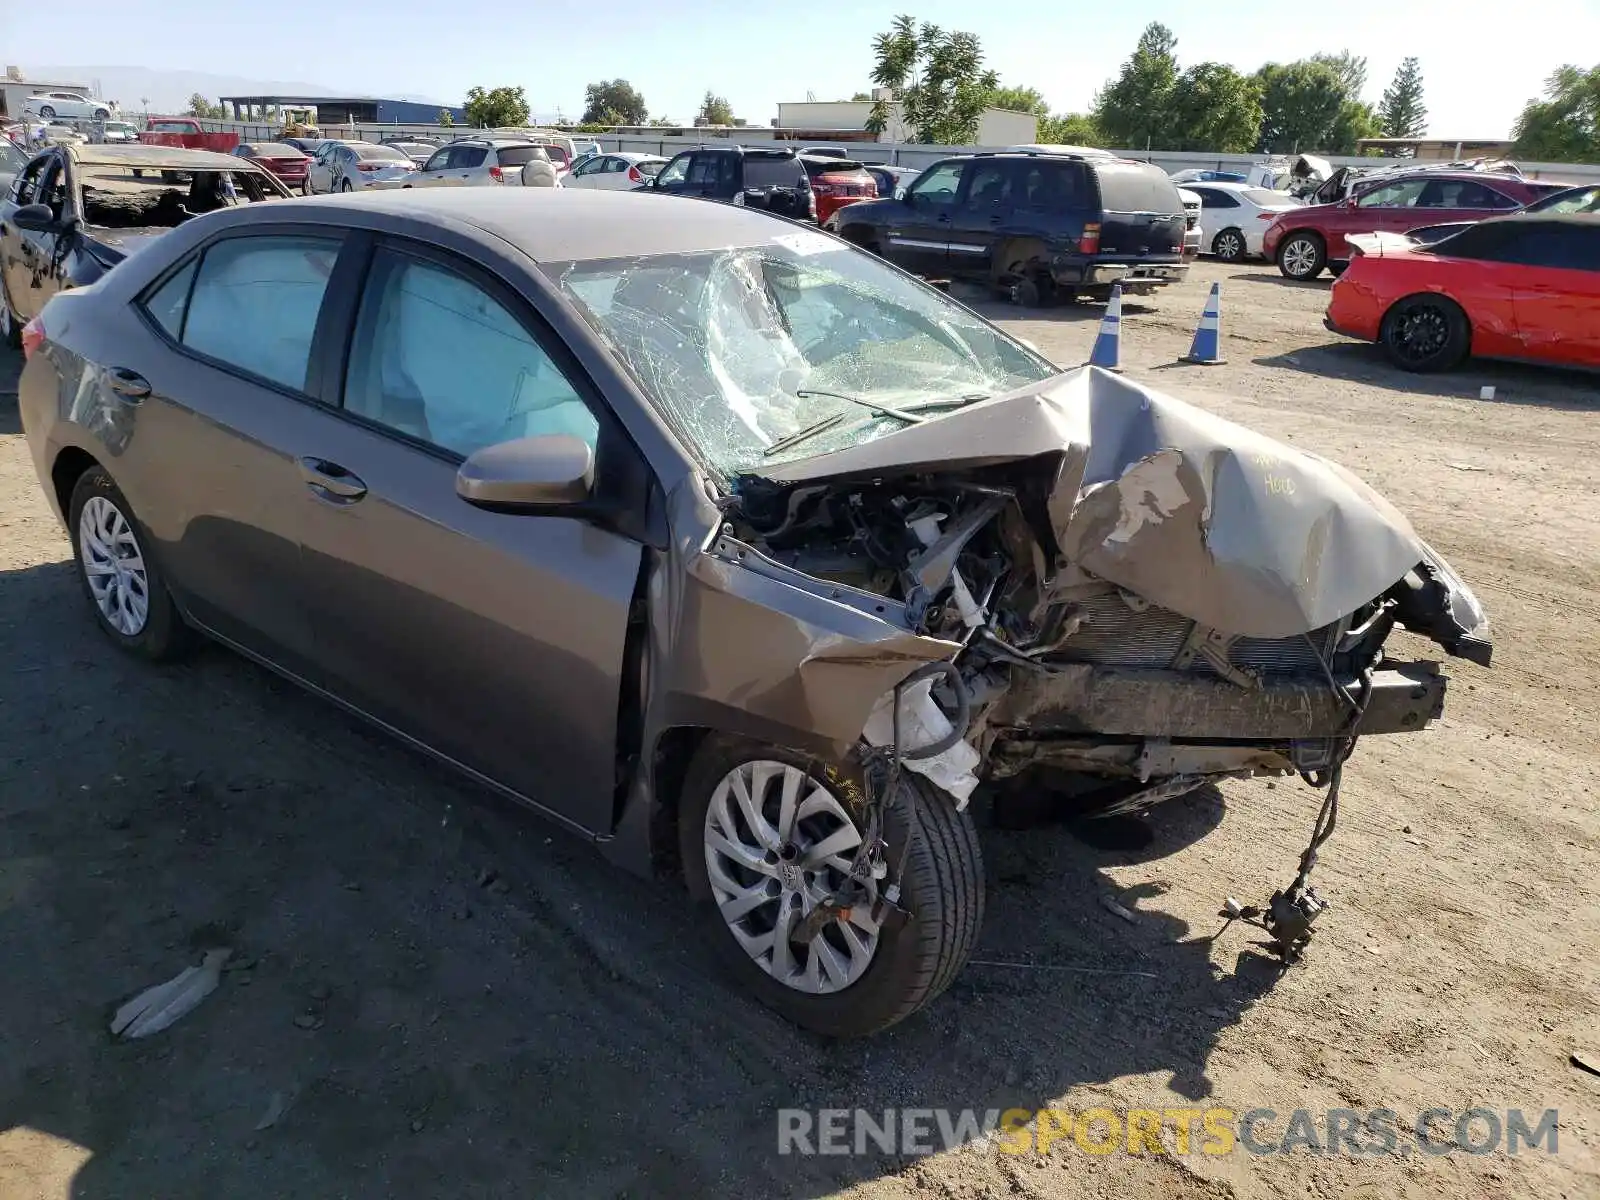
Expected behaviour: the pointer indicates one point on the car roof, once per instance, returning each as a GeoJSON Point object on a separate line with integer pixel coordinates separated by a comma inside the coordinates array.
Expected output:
{"type": "Point", "coordinates": [171, 158]}
{"type": "Point", "coordinates": [556, 224]}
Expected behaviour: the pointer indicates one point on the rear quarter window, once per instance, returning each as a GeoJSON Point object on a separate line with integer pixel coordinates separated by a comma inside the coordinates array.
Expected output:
{"type": "Point", "coordinates": [1137, 187]}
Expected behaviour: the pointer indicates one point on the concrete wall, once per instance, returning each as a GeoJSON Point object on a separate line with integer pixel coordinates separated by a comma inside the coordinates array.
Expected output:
{"type": "Point", "coordinates": [995, 128]}
{"type": "Point", "coordinates": [895, 153]}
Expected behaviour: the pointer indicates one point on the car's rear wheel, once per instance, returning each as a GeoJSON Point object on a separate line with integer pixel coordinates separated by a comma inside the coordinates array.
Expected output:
{"type": "Point", "coordinates": [125, 588]}
{"type": "Point", "coordinates": [346, 186]}
{"type": "Point", "coordinates": [1426, 333]}
{"type": "Point", "coordinates": [1228, 245]}
{"type": "Point", "coordinates": [1302, 256]}
{"type": "Point", "coordinates": [305, 186]}
{"type": "Point", "coordinates": [767, 835]}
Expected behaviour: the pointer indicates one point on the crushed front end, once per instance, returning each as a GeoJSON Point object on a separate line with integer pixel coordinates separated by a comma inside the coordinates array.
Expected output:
{"type": "Point", "coordinates": [1146, 597]}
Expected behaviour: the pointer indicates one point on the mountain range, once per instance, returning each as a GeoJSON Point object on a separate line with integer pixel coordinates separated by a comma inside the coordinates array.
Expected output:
{"type": "Point", "coordinates": [138, 88]}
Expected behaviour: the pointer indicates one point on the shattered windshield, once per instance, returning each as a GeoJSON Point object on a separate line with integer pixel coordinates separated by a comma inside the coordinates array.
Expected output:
{"type": "Point", "coordinates": [737, 346]}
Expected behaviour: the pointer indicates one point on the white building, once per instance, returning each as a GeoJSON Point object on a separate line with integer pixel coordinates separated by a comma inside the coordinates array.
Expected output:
{"type": "Point", "coordinates": [846, 121]}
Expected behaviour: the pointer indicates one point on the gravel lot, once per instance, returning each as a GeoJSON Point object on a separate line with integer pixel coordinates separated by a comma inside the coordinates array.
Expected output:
{"type": "Point", "coordinates": [560, 1032]}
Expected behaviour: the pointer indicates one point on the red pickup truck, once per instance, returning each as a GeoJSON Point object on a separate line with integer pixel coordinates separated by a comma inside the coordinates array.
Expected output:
{"type": "Point", "coordinates": [186, 132]}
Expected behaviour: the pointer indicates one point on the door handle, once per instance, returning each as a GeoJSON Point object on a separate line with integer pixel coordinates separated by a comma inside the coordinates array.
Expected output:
{"type": "Point", "coordinates": [129, 384]}
{"type": "Point", "coordinates": [330, 481]}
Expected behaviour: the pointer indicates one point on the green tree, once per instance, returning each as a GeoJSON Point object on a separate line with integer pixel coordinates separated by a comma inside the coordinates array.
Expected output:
{"type": "Point", "coordinates": [714, 110]}
{"type": "Point", "coordinates": [1135, 109]}
{"type": "Point", "coordinates": [1351, 70]}
{"type": "Point", "coordinates": [614, 102]}
{"type": "Point", "coordinates": [939, 78]}
{"type": "Point", "coordinates": [1564, 126]}
{"type": "Point", "coordinates": [1355, 121]}
{"type": "Point", "coordinates": [493, 109]}
{"type": "Point", "coordinates": [1215, 108]}
{"type": "Point", "coordinates": [1301, 104]}
{"type": "Point", "coordinates": [1070, 129]}
{"type": "Point", "coordinates": [1021, 100]}
{"type": "Point", "coordinates": [1402, 113]}
{"type": "Point", "coordinates": [199, 106]}
{"type": "Point", "coordinates": [446, 118]}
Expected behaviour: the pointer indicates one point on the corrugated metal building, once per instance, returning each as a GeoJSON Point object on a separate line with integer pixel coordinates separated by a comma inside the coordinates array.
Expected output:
{"type": "Point", "coordinates": [337, 110]}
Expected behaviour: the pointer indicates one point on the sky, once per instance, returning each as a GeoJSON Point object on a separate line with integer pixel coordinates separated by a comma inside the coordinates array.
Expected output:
{"type": "Point", "coordinates": [1479, 67]}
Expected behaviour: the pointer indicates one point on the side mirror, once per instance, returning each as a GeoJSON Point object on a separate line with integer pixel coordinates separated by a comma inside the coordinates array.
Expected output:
{"type": "Point", "coordinates": [37, 218]}
{"type": "Point", "coordinates": [530, 472]}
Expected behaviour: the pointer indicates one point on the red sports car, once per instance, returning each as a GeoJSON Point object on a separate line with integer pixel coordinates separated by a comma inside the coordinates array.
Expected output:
{"type": "Point", "coordinates": [1526, 287]}
{"type": "Point", "coordinates": [1304, 240]}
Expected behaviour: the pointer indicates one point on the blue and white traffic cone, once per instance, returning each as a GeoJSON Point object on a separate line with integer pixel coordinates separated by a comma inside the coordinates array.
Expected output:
{"type": "Point", "coordinates": [1207, 348]}
{"type": "Point", "coordinates": [1107, 352]}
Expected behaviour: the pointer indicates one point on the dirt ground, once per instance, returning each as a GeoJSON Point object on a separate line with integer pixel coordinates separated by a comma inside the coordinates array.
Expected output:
{"type": "Point", "coordinates": [563, 1032]}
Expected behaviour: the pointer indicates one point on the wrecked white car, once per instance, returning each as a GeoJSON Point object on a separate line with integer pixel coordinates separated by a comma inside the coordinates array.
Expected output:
{"type": "Point", "coordinates": [724, 544]}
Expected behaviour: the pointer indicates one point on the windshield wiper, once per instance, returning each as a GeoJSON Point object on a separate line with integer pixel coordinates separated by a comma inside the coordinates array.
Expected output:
{"type": "Point", "coordinates": [911, 416]}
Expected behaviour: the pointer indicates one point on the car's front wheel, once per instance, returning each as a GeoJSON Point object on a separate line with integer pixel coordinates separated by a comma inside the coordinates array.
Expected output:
{"type": "Point", "coordinates": [101, 114]}
{"type": "Point", "coordinates": [1228, 245]}
{"type": "Point", "coordinates": [768, 836]}
{"type": "Point", "coordinates": [1426, 333]}
{"type": "Point", "coordinates": [125, 588]}
{"type": "Point", "coordinates": [1302, 256]}
{"type": "Point", "coordinates": [10, 324]}
{"type": "Point", "coordinates": [47, 113]}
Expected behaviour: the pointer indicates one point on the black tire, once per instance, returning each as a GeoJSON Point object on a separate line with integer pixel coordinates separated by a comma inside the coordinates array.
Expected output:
{"type": "Point", "coordinates": [164, 636]}
{"type": "Point", "coordinates": [1229, 245]}
{"type": "Point", "coordinates": [1025, 293]}
{"type": "Point", "coordinates": [1337, 269]}
{"type": "Point", "coordinates": [346, 186]}
{"type": "Point", "coordinates": [1302, 255]}
{"type": "Point", "coordinates": [942, 886]}
{"type": "Point", "coordinates": [101, 114]}
{"type": "Point", "coordinates": [46, 113]}
{"type": "Point", "coordinates": [1426, 333]}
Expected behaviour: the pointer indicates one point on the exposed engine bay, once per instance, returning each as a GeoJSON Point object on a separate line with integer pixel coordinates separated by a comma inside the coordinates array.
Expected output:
{"type": "Point", "coordinates": [1200, 603]}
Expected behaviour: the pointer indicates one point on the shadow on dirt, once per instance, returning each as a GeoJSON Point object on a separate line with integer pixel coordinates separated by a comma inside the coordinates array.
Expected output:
{"type": "Point", "coordinates": [1320, 283]}
{"type": "Point", "coordinates": [436, 993]}
{"type": "Point", "coordinates": [1514, 383]}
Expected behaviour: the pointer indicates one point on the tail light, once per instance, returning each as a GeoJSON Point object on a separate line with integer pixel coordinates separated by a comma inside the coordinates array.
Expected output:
{"type": "Point", "coordinates": [634, 176]}
{"type": "Point", "coordinates": [496, 174]}
{"type": "Point", "coordinates": [32, 336]}
{"type": "Point", "coordinates": [1267, 216]}
{"type": "Point", "coordinates": [1089, 239]}
{"type": "Point", "coordinates": [372, 166]}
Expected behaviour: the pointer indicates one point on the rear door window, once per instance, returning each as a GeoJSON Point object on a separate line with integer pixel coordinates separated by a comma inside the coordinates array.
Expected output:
{"type": "Point", "coordinates": [1403, 194]}
{"type": "Point", "coordinates": [772, 172]}
{"type": "Point", "coordinates": [1561, 246]}
{"type": "Point", "coordinates": [255, 302]}
{"type": "Point", "coordinates": [1137, 188]}
{"type": "Point", "coordinates": [1462, 193]}
{"type": "Point", "coordinates": [465, 158]}
{"type": "Point", "coordinates": [521, 156]}
{"type": "Point", "coordinates": [1211, 198]}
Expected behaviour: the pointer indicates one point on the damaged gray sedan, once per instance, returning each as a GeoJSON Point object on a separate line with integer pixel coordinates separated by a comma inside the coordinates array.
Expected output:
{"type": "Point", "coordinates": [722, 543]}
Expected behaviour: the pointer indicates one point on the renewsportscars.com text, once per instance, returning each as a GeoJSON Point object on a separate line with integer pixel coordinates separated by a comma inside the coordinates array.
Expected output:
{"type": "Point", "coordinates": [1433, 1132]}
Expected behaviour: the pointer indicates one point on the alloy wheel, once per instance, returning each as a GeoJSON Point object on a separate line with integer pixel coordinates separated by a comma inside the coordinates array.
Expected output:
{"type": "Point", "coordinates": [113, 563]}
{"type": "Point", "coordinates": [1299, 257]}
{"type": "Point", "coordinates": [1421, 333]}
{"type": "Point", "coordinates": [778, 844]}
{"type": "Point", "coordinates": [1229, 246]}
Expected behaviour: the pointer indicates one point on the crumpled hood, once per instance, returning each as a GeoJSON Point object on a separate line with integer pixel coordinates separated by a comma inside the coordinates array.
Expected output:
{"type": "Point", "coordinates": [1201, 516]}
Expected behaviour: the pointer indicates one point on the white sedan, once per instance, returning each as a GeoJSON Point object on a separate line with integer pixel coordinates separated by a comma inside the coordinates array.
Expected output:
{"type": "Point", "coordinates": [1234, 216]}
{"type": "Point", "coordinates": [70, 105]}
{"type": "Point", "coordinates": [355, 166]}
{"type": "Point", "coordinates": [615, 172]}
